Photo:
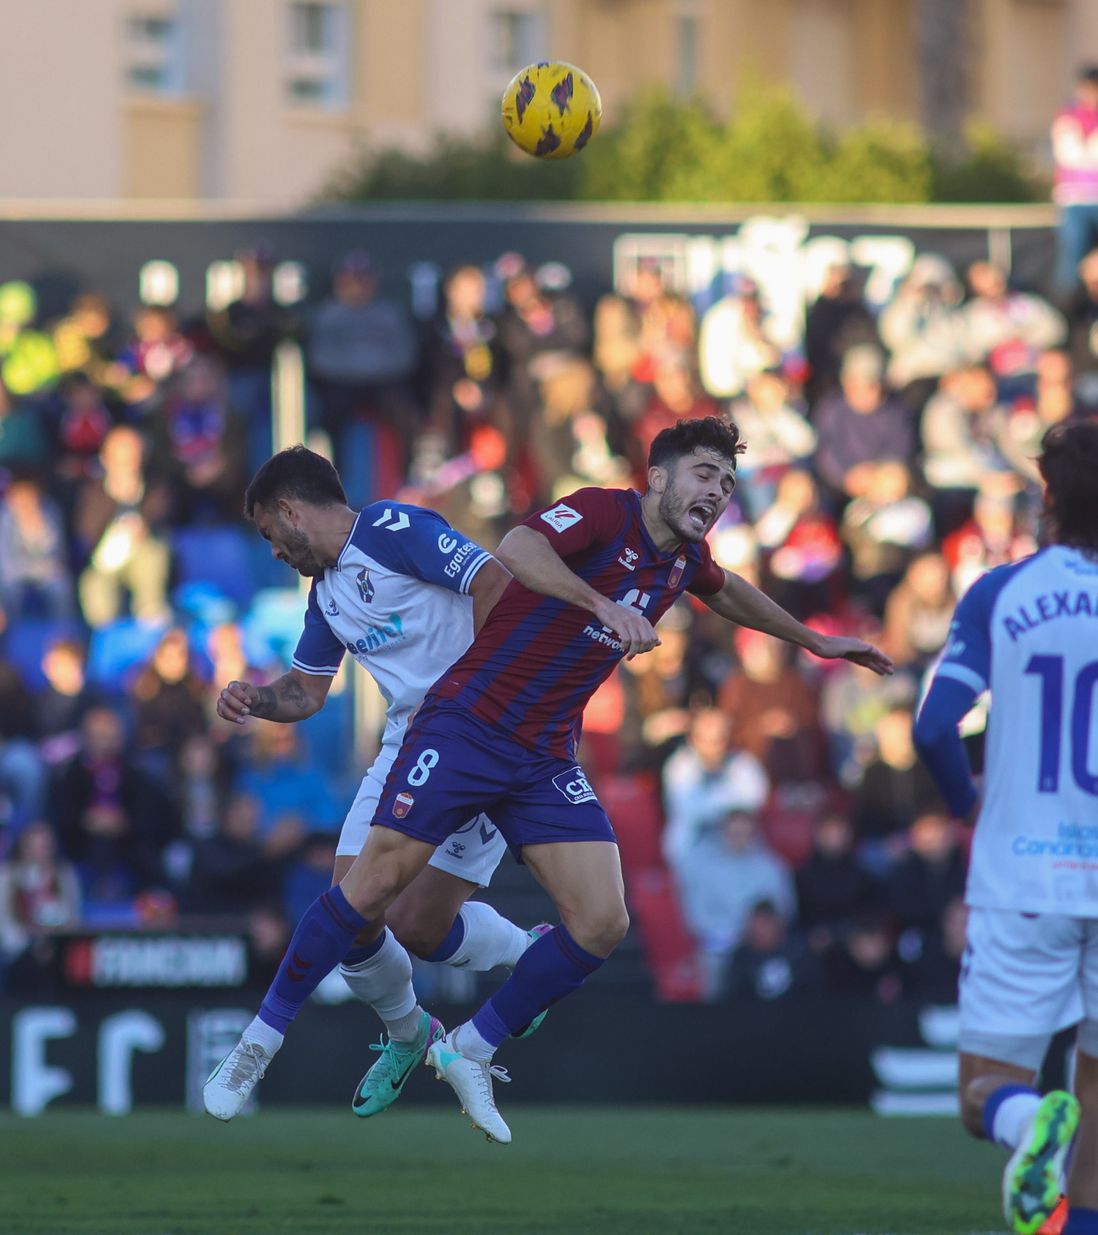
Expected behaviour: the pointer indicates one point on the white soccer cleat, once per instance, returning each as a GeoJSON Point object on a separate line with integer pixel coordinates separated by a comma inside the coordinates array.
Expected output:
{"type": "Point", "coordinates": [472, 1082]}
{"type": "Point", "coordinates": [232, 1081]}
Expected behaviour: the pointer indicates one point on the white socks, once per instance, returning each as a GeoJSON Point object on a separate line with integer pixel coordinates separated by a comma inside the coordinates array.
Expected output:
{"type": "Point", "coordinates": [1013, 1118]}
{"type": "Point", "coordinates": [490, 940]}
{"type": "Point", "coordinates": [263, 1035]}
{"type": "Point", "coordinates": [468, 1042]}
{"type": "Point", "coordinates": [384, 981]}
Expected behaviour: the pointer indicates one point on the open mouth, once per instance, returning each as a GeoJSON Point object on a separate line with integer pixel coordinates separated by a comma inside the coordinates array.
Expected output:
{"type": "Point", "coordinates": [701, 515]}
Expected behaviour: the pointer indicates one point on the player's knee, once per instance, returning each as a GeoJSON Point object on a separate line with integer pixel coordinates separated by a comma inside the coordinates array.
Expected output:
{"type": "Point", "coordinates": [602, 930]}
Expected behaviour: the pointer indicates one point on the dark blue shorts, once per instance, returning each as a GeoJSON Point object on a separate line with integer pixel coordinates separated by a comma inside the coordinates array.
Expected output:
{"type": "Point", "coordinates": [452, 765]}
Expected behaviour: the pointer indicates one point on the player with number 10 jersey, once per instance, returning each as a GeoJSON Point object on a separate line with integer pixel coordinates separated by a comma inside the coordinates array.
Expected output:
{"type": "Point", "coordinates": [1026, 632]}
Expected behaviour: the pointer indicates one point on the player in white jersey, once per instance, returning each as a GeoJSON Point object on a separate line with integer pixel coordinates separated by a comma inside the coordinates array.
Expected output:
{"type": "Point", "coordinates": [1028, 633]}
{"type": "Point", "coordinates": [403, 592]}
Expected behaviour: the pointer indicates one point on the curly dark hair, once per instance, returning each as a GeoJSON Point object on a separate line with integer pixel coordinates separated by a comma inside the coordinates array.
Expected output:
{"type": "Point", "coordinates": [295, 472]}
{"type": "Point", "coordinates": [708, 433]}
{"type": "Point", "coordinates": [1069, 468]}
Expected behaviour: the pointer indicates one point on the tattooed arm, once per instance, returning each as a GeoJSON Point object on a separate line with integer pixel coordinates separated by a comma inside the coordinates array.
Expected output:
{"type": "Point", "coordinates": [294, 696]}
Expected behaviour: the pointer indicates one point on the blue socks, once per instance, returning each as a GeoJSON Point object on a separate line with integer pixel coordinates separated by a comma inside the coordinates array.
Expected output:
{"type": "Point", "coordinates": [454, 938]}
{"type": "Point", "coordinates": [357, 955]}
{"type": "Point", "coordinates": [323, 938]}
{"type": "Point", "coordinates": [1082, 1222]}
{"type": "Point", "coordinates": [550, 968]}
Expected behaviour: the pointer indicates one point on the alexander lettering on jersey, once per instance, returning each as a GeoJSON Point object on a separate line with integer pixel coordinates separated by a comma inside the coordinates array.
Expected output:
{"type": "Point", "coordinates": [378, 636]}
{"type": "Point", "coordinates": [1047, 608]}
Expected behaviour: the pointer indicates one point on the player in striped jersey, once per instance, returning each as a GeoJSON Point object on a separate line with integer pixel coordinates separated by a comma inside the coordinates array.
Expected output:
{"type": "Point", "coordinates": [1027, 632]}
{"type": "Point", "coordinates": [498, 732]}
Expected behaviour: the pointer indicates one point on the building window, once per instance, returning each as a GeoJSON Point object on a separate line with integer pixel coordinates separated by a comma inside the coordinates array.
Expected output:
{"type": "Point", "coordinates": [686, 76]}
{"type": "Point", "coordinates": [516, 38]}
{"type": "Point", "coordinates": [317, 57]}
{"type": "Point", "coordinates": [153, 51]}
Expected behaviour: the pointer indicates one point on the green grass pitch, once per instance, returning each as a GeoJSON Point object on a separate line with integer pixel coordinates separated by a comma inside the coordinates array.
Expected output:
{"type": "Point", "coordinates": [619, 1171]}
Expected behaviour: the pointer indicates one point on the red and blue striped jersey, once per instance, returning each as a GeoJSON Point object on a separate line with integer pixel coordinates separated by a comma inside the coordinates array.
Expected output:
{"type": "Point", "coordinates": [538, 660]}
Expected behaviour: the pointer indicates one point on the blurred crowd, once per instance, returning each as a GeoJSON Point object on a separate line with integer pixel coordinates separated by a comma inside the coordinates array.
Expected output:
{"type": "Point", "coordinates": [776, 822]}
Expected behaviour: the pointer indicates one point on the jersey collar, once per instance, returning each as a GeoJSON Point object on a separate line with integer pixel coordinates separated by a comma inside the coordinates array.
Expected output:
{"type": "Point", "coordinates": [347, 542]}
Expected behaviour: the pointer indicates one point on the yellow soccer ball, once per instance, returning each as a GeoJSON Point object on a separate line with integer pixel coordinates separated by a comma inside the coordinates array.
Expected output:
{"type": "Point", "coordinates": [551, 110]}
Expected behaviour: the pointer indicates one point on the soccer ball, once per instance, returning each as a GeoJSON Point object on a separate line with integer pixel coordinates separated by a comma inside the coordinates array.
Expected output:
{"type": "Point", "coordinates": [551, 110]}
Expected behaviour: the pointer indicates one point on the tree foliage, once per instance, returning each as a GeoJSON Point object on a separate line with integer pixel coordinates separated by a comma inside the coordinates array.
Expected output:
{"type": "Point", "coordinates": [663, 150]}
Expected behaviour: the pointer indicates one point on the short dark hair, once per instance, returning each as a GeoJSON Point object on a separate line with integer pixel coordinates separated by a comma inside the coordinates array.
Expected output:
{"type": "Point", "coordinates": [295, 472]}
{"type": "Point", "coordinates": [707, 433]}
{"type": "Point", "coordinates": [1088, 73]}
{"type": "Point", "coordinates": [1069, 468]}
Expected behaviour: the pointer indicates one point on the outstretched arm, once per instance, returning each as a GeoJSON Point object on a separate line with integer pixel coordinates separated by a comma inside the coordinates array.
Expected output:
{"type": "Point", "coordinates": [294, 696]}
{"type": "Point", "coordinates": [745, 605]}
{"type": "Point", "coordinates": [531, 558]}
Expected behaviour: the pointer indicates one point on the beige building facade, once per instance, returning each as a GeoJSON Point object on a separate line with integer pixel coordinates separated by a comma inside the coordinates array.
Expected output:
{"type": "Point", "coordinates": [261, 102]}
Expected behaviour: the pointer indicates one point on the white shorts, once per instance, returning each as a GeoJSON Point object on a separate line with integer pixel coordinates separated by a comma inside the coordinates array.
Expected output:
{"type": "Point", "coordinates": [1024, 978]}
{"type": "Point", "coordinates": [472, 852]}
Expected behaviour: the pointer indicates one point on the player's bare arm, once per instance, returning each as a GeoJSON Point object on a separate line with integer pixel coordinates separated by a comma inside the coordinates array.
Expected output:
{"type": "Point", "coordinates": [292, 697]}
{"type": "Point", "coordinates": [740, 602]}
{"type": "Point", "coordinates": [489, 584]}
{"type": "Point", "coordinates": [533, 561]}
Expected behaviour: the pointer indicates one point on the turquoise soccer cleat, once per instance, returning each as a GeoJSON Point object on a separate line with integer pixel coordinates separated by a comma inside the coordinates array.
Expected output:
{"type": "Point", "coordinates": [381, 1086]}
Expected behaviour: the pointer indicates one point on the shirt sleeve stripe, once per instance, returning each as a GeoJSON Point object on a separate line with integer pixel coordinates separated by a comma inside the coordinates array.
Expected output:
{"type": "Point", "coordinates": [471, 570]}
{"type": "Point", "coordinates": [962, 674]}
{"type": "Point", "coordinates": [328, 671]}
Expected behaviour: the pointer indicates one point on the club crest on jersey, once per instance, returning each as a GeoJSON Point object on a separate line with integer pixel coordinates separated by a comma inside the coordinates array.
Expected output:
{"type": "Point", "coordinates": [561, 517]}
{"type": "Point", "coordinates": [675, 577]}
{"type": "Point", "coordinates": [402, 804]}
{"type": "Point", "coordinates": [365, 585]}
{"type": "Point", "coordinates": [629, 559]}
{"type": "Point", "coordinates": [575, 786]}
{"type": "Point", "coordinates": [331, 608]}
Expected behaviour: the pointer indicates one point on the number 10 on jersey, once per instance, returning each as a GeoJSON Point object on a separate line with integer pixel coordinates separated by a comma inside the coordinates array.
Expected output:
{"type": "Point", "coordinates": [1050, 669]}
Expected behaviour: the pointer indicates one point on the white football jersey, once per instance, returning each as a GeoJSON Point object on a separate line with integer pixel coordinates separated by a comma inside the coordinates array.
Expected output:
{"type": "Point", "coordinates": [398, 600]}
{"type": "Point", "coordinates": [1028, 632]}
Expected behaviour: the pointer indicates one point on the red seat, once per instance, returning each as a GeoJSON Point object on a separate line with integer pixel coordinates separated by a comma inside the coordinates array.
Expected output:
{"type": "Point", "coordinates": [669, 948]}
{"type": "Point", "coordinates": [788, 831]}
{"type": "Point", "coordinates": [632, 800]}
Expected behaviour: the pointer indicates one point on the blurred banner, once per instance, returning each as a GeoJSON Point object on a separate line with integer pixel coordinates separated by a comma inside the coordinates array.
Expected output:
{"type": "Point", "coordinates": [610, 1046]}
{"type": "Point", "coordinates": [703, 252]}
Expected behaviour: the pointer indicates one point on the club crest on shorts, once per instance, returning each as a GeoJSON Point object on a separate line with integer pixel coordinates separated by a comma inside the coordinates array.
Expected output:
{"type": "Point", "coordinates": [674, 578]}
{"type": "Point", "coordinates": [402, 804]}
{"type": "Point", "coordinates": [575, 786]}
{"type": "Point", "coordinates": [365, 586]}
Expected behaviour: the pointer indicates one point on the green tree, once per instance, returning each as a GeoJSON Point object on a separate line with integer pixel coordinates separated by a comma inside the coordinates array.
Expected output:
{"type": "Point", "coordinates": [991, 171]}
{"type": "Point", "coordinates": [881, 161]}
{"type": "Point", "coordinates": [661, 150]}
